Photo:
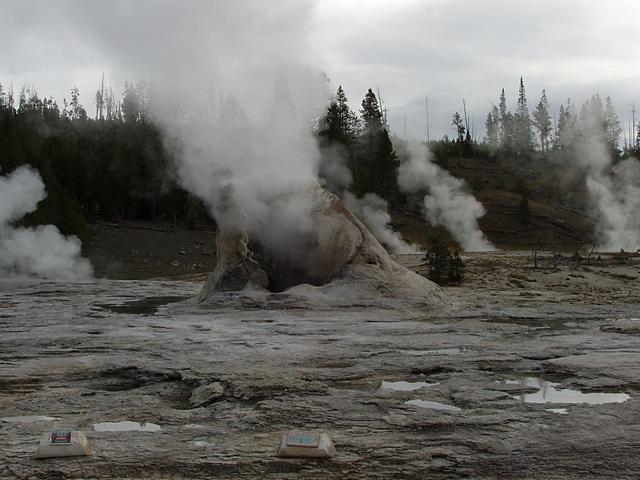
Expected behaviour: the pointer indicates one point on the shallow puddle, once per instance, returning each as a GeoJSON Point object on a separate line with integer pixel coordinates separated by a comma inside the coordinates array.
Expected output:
{"type": "Point", "coordinates": [561, 411]}
{"type": "Point", "coordinates": [126, 426]}
{"type": "Point", "coordinates": [538, 323]}
{"type": "Point", "coordinates": [403, 386]}
{"type": "Point", "coordinates": [146, 306]}
{"type": "Point", "coordinates": [438, 351]}
{"type": "Point", "coordinates": [28, 419]}
{"type": "Point", "coordinates": [548, 392]}
{"type": "Point", "coordinates": [443, 407]}
{"type": "Point", "coordinates": [202, 444]}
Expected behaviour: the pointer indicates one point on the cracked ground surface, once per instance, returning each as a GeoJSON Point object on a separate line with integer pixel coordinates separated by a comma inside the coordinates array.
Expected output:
{"type": "Point", "coordinates": [111, 351]}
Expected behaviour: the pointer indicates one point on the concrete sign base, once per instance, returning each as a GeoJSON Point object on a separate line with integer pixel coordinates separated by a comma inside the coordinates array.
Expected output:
{"type": "Point", "coordinates": [306, 444]}
{"type": "Point", "coordinates": [63, 443]}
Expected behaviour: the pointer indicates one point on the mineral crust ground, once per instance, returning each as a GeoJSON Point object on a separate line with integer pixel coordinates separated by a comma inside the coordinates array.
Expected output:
{"type": "Point", "coordinates": [207, 391]}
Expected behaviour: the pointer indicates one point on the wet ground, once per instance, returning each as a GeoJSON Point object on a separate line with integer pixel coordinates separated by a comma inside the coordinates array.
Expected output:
{"type": "Point", "coordinates": [524, 376]}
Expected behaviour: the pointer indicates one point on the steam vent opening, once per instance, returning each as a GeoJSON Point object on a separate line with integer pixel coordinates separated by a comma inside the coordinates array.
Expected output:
{"type": "Point", "coordinates": [286, 269]}
{"type": "Point", "coordinates": [335, 251]}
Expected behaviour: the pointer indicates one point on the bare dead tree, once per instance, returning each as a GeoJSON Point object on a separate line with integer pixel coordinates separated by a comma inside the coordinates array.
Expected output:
{"type": "Point", "coordinates": [588, 259]}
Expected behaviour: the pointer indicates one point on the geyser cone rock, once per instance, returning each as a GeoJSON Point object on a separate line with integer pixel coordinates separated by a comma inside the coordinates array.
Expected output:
{"type": "Point", "coordinates": [340, 262]}
{"type": "Point", "coordinates": [235, 267]}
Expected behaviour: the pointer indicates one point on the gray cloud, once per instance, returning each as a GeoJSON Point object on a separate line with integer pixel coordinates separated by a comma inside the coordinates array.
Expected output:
{"type": "Point", "coordinates": [450, 49]}
{"type": "Point", "coordinates": [459, 49]}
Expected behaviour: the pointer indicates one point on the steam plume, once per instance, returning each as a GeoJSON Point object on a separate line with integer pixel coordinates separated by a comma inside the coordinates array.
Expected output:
{"type": "Point", "coordinates": [34, 252]}
{"type": "Point", "coordinates": [235, 98]}
{"type": "Point", "coordinates": [446, 204]}
{"type": "Point", "coordinates": [372, 210]}
{"type": "Point", "coordinates": [614, 190]}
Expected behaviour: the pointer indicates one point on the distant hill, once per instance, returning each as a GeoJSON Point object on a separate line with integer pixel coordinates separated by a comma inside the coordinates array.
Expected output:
{"type": "Point", "coordinates": [556, 195]}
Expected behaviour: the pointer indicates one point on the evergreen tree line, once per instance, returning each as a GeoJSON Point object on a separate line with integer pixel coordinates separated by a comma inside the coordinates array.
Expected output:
{"type": "Point", "coordinates": [521, 133]}
{"type": "Point", "coordinates": [113, 164]}
{"type": "Point", "coordinates": [110, 167]}
{"type": "Point", "coordinates": [363, 142]}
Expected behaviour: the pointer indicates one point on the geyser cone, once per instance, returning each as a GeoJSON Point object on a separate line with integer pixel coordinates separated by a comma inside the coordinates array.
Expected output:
{"type": "Point", "coordinates": [335, 252]}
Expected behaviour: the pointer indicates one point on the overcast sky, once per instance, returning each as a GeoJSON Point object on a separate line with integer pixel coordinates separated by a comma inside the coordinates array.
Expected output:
{"type": "Point", "coordinates": [447, 49]}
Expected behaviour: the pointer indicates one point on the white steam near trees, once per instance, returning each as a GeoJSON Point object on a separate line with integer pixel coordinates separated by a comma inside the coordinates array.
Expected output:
{"type": "Point", "coordinates": [238, 72]}
{"type": "Point", "coordinates": [373, 211]}
{"type": "Point", "coordinates": [245, 144]}
{"type": "Point", "coordinates": [41, 251]}
{"type": "Point", "coordinates": [236, 100]}
{"type": "Point", "coordinates": [614, 189]}
{"type": "Point", "coordinates": [617, 197]}
{"type": "Point", "coordinates": [446, 203]}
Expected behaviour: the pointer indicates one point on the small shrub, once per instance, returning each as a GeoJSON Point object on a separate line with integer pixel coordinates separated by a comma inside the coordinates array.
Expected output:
{"type": "Point", "coordinates": [444, 267]}
{"type": "Point", "coordinates": [524, 212]}
{"type": "Point", "coordinates": [621, 257]}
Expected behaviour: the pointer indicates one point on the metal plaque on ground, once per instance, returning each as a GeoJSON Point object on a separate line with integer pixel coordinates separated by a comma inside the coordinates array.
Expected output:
{"type": "Point", "coordinates": [305, 444]}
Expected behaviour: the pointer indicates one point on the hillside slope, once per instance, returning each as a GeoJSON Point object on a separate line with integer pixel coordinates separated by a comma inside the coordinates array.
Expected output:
{"type": "Point", "coordinates": [559, 210]}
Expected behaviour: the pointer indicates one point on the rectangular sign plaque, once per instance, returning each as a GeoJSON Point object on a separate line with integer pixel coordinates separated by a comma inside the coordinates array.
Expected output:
{"type": "Point", "coordinates": [303, 439]}
{"type": "Point", "coordinates": [63, 443]}
{"type": "Point", "coordinates": [60, 438]}
{"type": "Point", "coordinates": [305, 445]}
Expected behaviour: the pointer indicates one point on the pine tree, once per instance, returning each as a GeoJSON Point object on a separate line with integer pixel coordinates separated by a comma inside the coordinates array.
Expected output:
{"type": "Point", "coordinates": [502, 109]}
{"type": "Point", "coordinates": [492, 124]}
{"type": "Point", "coordinates": [376, 164]}
{"type": "Point", "coordinates": [11, 151]}
{"type": "Point", "coordinates": [459, 127]}
{"type": "Point", "coordinates": [524, 212]}
{"type": "Point", "coordinates": [507, 126]}
{"type": "Point", "coordinates": [542, 121]}
{"type": "Point", "coordinates": [110, 105]}
{"type": "Point", "coordinates": [592, 121]}
{"type": "Point", "coordinates": [130, 104]}
{"type": "Point", "coordinates": [348, 119]}
{"type": "Point", "coordinates": [566, 128]}
{"type": "Point", "coordinates": [76, 110]}
{"type": "Point", "coordinates": [10, 99]}
{"type": "Point", "coordinates": [337, 131]}
{"type": "Point", "coordinates": [51, 111]}
{"type": "Point", "coordinates": [612, 125]}
{"type": "Point", "coordinates": [340, 123]}
{"type": "Point", "coordinates": [99, 104]}
{"type": "Point", "coordinates": [370, 113]}
{"type": "Point", "coordinates": [385, 167]}
{"type": "Point", "coordinates": [522, 123]}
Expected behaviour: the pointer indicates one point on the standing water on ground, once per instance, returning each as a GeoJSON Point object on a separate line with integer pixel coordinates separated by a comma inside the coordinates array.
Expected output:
{"type": "Point", "coordinates": [548, 392]}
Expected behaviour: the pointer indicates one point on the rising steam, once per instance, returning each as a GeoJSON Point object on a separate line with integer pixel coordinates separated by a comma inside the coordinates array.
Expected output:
{"type": "Point", "coordinates": [446, 203]}
{"type": "Point", "coordinates": [235, 100]}
{"type": "Point", "coordinates": [42, 251]}
{"type": "Point", "coordinates": [372, 210]}
{"type": "Point", "coordinates": [614, 190]}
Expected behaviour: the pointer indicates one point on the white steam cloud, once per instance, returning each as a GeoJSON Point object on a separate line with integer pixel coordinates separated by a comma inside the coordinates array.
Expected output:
{"type": "Point", "coordinates": [372, 210]}
{"type": "Point", "coordinates": [234, 95]}
{"type": "Point", "coordinates": [334, 173]}
{"type": "Point", "coordinates": [447, 203]}
{"type": "Point", "coordinates": [614, 191]}
{"type": "Point", "coordinates": [246, 149]}
{"type": "Point", "coordinates": [42, 251]}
